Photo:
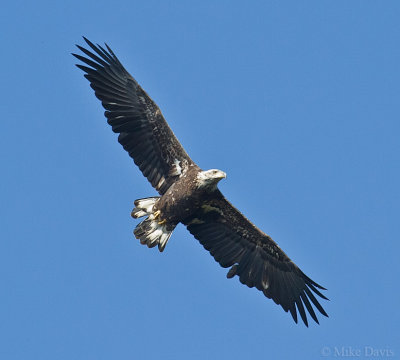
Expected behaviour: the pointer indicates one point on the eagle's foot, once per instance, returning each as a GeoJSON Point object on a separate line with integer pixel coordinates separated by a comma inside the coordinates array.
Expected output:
{"type": "Point", "coordinates": [156, 216]}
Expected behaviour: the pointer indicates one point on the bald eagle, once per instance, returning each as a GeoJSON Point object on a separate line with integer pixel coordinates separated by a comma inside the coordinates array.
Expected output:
{"type": "Point", "coordinates": [188, 194]}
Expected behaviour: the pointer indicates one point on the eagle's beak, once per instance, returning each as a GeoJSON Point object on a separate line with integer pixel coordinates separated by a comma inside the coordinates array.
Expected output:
{"type": "Point", "coordinates": [220, 174]}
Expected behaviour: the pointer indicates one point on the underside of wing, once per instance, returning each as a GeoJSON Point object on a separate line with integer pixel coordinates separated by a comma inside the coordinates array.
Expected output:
{"type": "Point", "coordinates": [254, 257]}
{"type": "Point", "coordinates": [143, 131]}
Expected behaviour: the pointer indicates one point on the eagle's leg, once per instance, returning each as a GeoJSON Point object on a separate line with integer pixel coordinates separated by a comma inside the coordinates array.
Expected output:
{"type": "Point", "coordinates": [153, 230]}
{"type": "Point", "coordinates": [156, 215]}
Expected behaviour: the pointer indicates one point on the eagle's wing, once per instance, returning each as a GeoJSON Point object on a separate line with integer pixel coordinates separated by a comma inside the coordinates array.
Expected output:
{"type": "Point", "coordinates": [235, 242]}
{"type": "Point", "coordinates": [143, 131]}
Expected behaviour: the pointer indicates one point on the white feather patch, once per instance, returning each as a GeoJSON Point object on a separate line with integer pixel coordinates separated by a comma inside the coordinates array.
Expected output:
{"type": "Point", "coordinates": [196, 221]}
{"type": "Point", "coordinates": [160, 183]}
{"type": "Point", "coordinates": [208, 208]}
{"type": "Point", "coordinates": [143, 207]}
{"type": "Point", "coordinates": [146, 204]}
{"type": "Point", "coordinates": [176, 169]}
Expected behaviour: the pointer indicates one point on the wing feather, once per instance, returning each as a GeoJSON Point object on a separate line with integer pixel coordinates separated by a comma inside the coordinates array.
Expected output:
{"type": "Point", "coordinates": [143, 131]}
{"type": "Point", "coordinates": [254, 257]}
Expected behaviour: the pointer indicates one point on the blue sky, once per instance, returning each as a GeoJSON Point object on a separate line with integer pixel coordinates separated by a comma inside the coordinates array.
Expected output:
{"type": "Point", "coordinates": [297, 101]}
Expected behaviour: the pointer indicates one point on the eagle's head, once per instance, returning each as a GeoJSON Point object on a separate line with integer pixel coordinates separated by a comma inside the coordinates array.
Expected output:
{"type": "Point", "coordinates": [210, 178]}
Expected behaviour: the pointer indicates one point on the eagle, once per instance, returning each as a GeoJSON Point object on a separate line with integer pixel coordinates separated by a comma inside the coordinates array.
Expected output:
{"type": "Point", "coordinates": [190, 195]}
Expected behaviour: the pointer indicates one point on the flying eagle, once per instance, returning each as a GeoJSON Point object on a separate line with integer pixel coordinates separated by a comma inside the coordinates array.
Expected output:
{"type": "Point", "coordinates": [188, 194]}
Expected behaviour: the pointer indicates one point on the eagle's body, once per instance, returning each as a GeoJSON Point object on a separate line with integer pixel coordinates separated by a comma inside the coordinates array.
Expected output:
{"type": "Point", "coordinates": [180, 204]}
{"type": "Point", "coordinates": [183, 198]}
{"type": "Point", "coordinates": [189, 195]}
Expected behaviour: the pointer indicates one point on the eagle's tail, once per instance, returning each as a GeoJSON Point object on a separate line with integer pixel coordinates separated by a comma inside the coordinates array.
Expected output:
{"type": "Point", "coordinates": [151, 231]}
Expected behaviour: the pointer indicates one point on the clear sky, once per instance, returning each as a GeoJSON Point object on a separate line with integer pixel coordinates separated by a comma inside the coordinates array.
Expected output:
{"type": "Point", "coordinates": [298, 101]}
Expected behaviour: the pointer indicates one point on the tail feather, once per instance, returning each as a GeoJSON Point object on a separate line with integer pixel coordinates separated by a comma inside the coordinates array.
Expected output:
{"type": "Point", "coordinates": [144, 206]}
{"type": "Point", "coordinates": [150, 231]}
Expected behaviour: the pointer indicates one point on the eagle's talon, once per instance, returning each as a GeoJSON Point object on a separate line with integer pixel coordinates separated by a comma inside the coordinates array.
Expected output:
{"type": "Point", "coordinates": [157, 214]}
{"type": "Point", "coordinates": [162, 222]}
